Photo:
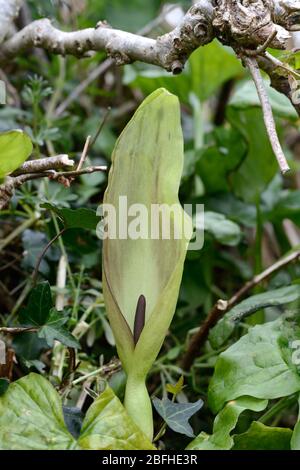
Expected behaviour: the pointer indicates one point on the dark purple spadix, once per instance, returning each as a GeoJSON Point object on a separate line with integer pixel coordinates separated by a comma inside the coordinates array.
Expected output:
{"type": "Point", "coordinates": [139, 320]}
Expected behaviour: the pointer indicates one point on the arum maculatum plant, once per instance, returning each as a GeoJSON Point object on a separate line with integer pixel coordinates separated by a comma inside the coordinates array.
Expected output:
{"type": "Point", "coordinates": [142, 276]}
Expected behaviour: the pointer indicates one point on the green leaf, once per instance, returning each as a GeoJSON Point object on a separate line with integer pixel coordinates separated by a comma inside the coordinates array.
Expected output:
{"type": "Point", "coordinates": [177, 388]}
{"type": "Point", "coordinates": [75, 218]}
{"type": "Point", "coordinates": [259, 166]}
{"type": "Point", "coordinates": [4, 384]}
{"type": "Point", "coordinates": [54, 330]}
{"type": "Point", "coordinates": [295, 442]}
{"type": "Point", "coordinates": [246, 96]}
{"type": "Point", "coordinates": [39, 304]}
{"type": "Point", "coordinates": [177, 415]}
{"type": "Point", "coordinates": [224, 231]}
{"type": "Point", "coordinates": [41, 314]}
{"type": "Point", "coordinates": [107, 426]}
{"type": "Point", "coordinates": [224, 423]}
{"type": "Point", "coordinates": [256, 366]}
{"type": "Point", "coordinates": [211, 66]}
{"type": "Point", "coordinates": [261, 437]}
{"type": "Point", "coordinates": [15, 148]}
{"type": "Point", "coordinates": [28, 346]}
{"type": "Point", "coordinates": [31, 418]}
{"type": "Point", "coordinates": [225, 327]}
{"type": "Point", "coordinates": [216, 162]}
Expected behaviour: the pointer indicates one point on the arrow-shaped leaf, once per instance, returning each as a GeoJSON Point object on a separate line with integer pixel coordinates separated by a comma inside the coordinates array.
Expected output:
{"type": "Point", "coordinates": [177, 415]}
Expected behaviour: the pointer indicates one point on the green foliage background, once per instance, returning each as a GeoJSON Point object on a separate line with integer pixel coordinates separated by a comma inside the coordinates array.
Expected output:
{"type": "Point", "coordinates": [245, 374]}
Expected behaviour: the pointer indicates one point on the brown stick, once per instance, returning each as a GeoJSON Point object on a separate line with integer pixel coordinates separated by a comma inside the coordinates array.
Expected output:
{"type": "Point", "coordinates": [223, 306]}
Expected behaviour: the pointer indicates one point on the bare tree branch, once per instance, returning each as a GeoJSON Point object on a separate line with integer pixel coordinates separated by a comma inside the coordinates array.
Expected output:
{"type": "Point", "coordinates": [223, 306]}
{"type": "Point", "coordinates": [230, 21]}
{"type": "Point", "coordinates": [12, 183]}
{"type": "Point", "coordinates": [170, 51]}
{"type": "Point", "coordinates": [44, 164]}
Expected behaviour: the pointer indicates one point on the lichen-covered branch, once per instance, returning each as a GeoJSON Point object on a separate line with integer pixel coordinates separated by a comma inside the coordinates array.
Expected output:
{"type": "Point", "coordinates": [169, 51]}
{"type": "Point", "coordinates": [44, 164]}
{"type": "Point", "coordinates": [236, 23]}
{"type": "Point", "coordinates": [9, 10]}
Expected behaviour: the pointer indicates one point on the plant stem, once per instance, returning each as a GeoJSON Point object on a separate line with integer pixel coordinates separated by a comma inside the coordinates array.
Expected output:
{"type": "Point", "coordinates": [285, 402]}
{"type": "Point", "coordinates": [138, 404]}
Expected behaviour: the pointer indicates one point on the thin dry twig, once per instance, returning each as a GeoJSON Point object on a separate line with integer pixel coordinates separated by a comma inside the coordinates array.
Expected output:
{"type": "Point", "coordinates": [252, 65]}
{"type": "Point", "coordinates": [223, 306]}
{"type": "Point", "coordinates": [102, 124]}
{"type": "Point", "coordinates": [43, 164]}
{"type": "Point", "coordinates": [12, 183]}
{"type": "Point", "coordinates": [84, 153]}
{"type": "Point", "coordinates": [42, 254]}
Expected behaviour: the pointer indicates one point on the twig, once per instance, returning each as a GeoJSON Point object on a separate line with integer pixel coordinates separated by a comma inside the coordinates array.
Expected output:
{"type": "Point", "coordinates": [223, 306]}
{"type": "Point", "coordinates": [169, 51]}
{"type": "Point", "coordinates": [42, 254]}
{"type": "Point", "coordinates": [99, 70]}
{"type": "Point", "coordinates": [102, 124]}
{"type": "Point", "coordinates": [280, 64]}
{"type": "Point", "coordinates": [261, 49]}
{"type": "Point", "coordinates": [84, 153]}
{"type": "Point", "coordinates": [252, 65]}
{"type": "Point", "coordinates": [15, 331]}
{"type": "Point", "coordinates": [12, 183]}
{"type": "Point", "coordinates": [43, 164]}
{"type": "Point", "coordinates": [105, 65]}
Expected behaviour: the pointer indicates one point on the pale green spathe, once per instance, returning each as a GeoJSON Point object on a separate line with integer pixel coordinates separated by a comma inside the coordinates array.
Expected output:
{"type": "Point", "coordinates": [147, 164]}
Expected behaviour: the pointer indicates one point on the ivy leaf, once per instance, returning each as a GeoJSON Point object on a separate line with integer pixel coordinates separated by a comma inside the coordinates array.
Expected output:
{"type": "Point", "coordinates": [224, 423]}
{"type": "Point", "coordinates": [15, 148]}
{"type": "Point", "coordinates": [40, 303]}
{"type": "Point", "coordinates": [31, 418]}
{"type": "Point", "coordinates": [177, 415]}
{"type": "Point", "coordinates": [225, 327]}
{"type": "Point", "coordinates": [261, 437]}
{"type": "Point", "coordinates": [40, 314]}
{"type": "Point", "coordinates": [74, 218]}
{"type": "Point", "coordinates": [54, 330]}
{"type": "Point", "coordinates": [177, 388]}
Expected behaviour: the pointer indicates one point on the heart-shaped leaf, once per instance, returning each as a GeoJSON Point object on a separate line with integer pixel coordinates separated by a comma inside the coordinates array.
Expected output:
{"type": "Point", "coordinates": [177, 415]}
{"type": "Point", "coordinates": [31, 418]}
